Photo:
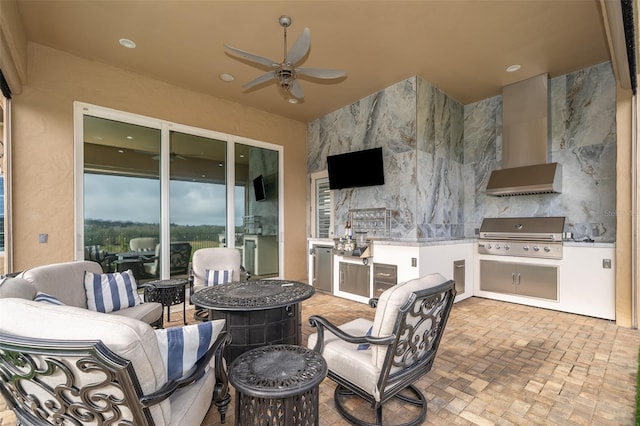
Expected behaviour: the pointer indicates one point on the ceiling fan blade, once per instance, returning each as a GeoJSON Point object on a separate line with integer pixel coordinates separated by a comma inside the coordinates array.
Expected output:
{"type": "Point", "coordinates": [321, 72]}
{"type": "Point", "coordinates": [264, 77]}
{"type": "Point", "coordinates": [251, 57]}
{"type": "Point", "coordinates": [296, 90]}
{"type": "Point", "coordinates": [300, 48]}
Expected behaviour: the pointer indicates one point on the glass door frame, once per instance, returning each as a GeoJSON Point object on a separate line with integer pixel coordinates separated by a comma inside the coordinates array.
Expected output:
{"type": "Point", "coordinates": [80, 109]}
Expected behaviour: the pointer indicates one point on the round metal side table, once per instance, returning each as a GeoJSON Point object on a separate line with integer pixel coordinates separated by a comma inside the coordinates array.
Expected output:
{"type": "Point", "coordinates": [277, 385]}
{"type": "Point", "coordinates": [168, 293]}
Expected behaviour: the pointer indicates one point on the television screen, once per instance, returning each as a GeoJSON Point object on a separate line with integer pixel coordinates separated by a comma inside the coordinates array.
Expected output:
{"type": "Point", "coordinates": [355, 169]}
{"type": "Point", "coordinates": [258, 188]}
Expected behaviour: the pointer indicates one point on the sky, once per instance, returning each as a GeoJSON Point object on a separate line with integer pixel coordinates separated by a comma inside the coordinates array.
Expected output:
{"type": "Point", "coordinates": [121, 198]}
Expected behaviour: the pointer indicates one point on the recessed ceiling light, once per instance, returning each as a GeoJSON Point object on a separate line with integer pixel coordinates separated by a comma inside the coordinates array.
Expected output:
{"type": "Point", "coordinates": [129, 137]}
{"type": "Point", "coordinates": [226, 77]}
{"type": "Point", "coordinates": [121, 151]}
{"type": "Point", "coordinates": [129, 44]}
{"type": "Point", "coordinates": [513, 68]}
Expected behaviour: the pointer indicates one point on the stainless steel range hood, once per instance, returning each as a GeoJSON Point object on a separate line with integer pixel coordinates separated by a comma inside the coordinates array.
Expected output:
{"type": "Point", "coordinates": [525, 149]}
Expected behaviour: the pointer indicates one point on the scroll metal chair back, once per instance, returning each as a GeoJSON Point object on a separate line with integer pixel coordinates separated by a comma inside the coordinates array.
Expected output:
{"type": "Point", "coordinates": [50, 382]}
{"type": "Point", "coordinates": [381, 360]}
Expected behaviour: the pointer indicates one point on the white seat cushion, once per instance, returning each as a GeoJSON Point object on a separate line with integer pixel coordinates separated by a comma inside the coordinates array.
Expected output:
{"type": "Point", "coordinates": [345, 360]}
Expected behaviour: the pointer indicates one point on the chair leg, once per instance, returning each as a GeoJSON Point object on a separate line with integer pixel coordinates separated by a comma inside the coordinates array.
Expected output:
{"type": "Point", "coordinates": [415, 398]}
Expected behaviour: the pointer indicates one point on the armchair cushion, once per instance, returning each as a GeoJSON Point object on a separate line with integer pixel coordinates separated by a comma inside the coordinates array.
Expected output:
{"type": "Point", "coordinates": [346, 360]}
{"type": "Point", "coordinates": [17, 287]}
{"type": "Point", "coordinates": [47, 298]}
{"type": "Point", "coordinates": [213, 277]}
{"type": "Point", "coordinates": [111, 292]}
{"type": "Point", "coordinates": [182, 347]}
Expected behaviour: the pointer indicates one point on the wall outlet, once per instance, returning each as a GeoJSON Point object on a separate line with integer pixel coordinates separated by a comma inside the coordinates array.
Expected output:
{"type": "Point", "coordinates": [414, 262]}
{"type": "Point", "coordinates": [43, 238]}
{"type": "Point", "coordinates": [606, 263]}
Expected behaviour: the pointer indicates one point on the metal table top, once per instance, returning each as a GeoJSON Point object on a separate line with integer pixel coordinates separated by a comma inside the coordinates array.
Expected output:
{"type": "Point", "coordinates": [277, 371]}
{"type": "Point", "coordinates": [252, 295]}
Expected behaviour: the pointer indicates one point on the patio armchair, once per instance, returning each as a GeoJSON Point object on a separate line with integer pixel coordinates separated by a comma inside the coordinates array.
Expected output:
{"type": "Point", "coordinates": [380, 360]}
{"type": "Point", "coordinates": [213, 266]}
{"type": "Point", "coordinates": [179, 258]}
{"type": "Point", "coordinates": [143, 244]}
{"type": "Point", "coordinates": [95, 253]}
{"type": "Point", "coordinates": [65, 365]}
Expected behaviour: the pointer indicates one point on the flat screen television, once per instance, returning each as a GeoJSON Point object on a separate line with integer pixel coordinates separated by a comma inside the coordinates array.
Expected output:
{"type": "Point", "coordinates": [259, 189]}
{"type": "Point", "coordinates": [356, 169]}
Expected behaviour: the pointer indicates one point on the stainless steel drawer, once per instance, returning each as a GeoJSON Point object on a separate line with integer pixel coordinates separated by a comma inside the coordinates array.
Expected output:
{"type": "Point", "coordinates": [384, 277]}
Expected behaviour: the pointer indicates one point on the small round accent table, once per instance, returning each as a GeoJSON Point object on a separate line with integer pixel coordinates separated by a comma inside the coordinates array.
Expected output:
{"type": "Point", "coordinates": [277, 385]}
{"type": "Point", "coordinates": [256, 313]}
{"type": "Point", "coordinates": [168, 293]}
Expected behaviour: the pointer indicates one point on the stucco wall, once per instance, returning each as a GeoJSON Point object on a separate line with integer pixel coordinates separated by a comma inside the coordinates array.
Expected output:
{"type": "Point", "coordinates": [43, 147]}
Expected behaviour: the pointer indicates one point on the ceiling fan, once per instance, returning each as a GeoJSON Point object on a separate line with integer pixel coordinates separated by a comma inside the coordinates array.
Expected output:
{"type": "Point", "coordinates": [285, 73]}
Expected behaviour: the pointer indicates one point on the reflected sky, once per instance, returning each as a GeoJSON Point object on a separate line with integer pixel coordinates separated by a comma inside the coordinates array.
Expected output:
{"type": "Point", "coordinates": [121, 198]}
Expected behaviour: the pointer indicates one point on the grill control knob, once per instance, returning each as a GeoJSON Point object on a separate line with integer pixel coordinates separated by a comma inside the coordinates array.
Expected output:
{"type": "Point", "coordinates": [489, 246]}
{"type": "Point", "coordinates": [536, 248]}
{"type": "Point", "coordinates": [547, 249]}
{"type": "Point", "coordinates": [507, 246]}
{"type": "Point", "coordinates": [497, 246]}
{"type": "Point", "coordinates": [525, 247]}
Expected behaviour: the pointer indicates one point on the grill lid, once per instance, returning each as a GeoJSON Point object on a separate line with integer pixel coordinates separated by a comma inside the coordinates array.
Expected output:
{"type": "Point", "coordinates": [522, 228]}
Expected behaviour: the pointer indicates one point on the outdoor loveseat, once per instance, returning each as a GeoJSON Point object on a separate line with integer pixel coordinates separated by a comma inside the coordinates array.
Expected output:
{"type": "Point", "coordinates": [66, 283]}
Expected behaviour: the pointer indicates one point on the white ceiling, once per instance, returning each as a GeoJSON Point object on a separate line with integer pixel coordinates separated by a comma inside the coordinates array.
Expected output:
{"type": "Point", "coordinates": [461, 46]}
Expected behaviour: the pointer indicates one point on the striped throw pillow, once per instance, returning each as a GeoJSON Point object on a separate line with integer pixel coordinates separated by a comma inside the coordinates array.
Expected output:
{"type": "Point", "coordinates": [111, 292]}
{"type": "Point", "coordinates": [47, 298]}
{"type": "Point", "coordinates": [212, 277]}
{"type": "Point", "coordinates": [181, 347]}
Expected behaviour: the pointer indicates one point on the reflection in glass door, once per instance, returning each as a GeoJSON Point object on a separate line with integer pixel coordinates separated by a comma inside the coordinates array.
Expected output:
{"type": "Point", "coordinates": [258, 170]}
{"type": "Point", "coordinates": [146, 185]}
{"type": "Point", "coordinates": [197, 190]}
{"type": "Point", "coordinates": [121, 196]}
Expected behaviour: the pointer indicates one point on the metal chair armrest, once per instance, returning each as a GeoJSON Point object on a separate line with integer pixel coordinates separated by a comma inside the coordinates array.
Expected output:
{"type": "Point", "coordinates": [321, 323]}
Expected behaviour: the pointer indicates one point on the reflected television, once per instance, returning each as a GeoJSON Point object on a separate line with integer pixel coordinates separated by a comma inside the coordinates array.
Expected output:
{"type": "Point", "coordinates": [259, 188]}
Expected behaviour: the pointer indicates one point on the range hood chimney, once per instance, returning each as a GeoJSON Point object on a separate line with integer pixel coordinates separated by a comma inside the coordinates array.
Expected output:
{"type": "Point", "coordinates": [526, 131]}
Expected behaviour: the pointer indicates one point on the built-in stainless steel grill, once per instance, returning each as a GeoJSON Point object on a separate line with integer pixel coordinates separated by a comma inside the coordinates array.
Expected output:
{"type": "Point", "coordinates": [539, 237]}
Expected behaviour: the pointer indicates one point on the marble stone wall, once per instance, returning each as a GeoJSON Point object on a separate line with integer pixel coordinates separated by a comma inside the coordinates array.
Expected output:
{"type": "Point", "coordinates": [583, 141]}
{"type": "Point", "coordinates": [420, 131]}
{"type": "Point", "coordinates": [438, 156]}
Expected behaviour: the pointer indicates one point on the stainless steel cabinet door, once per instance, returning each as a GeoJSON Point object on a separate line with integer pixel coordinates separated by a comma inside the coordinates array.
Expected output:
{"type": "Point", "coordinates": [322, 268]}
{"type": "Point", "coordinates": [354, 279]}
{"type": "Point", "coordinates": [522, 279]}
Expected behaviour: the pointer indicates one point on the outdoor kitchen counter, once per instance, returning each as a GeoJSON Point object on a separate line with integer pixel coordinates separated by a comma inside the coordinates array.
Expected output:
{"type": "Point", "coordinates": [594, 244]}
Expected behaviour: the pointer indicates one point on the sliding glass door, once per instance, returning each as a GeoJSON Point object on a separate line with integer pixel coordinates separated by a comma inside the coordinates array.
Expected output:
{"type": "Point", "coordinates": [149, 193]}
